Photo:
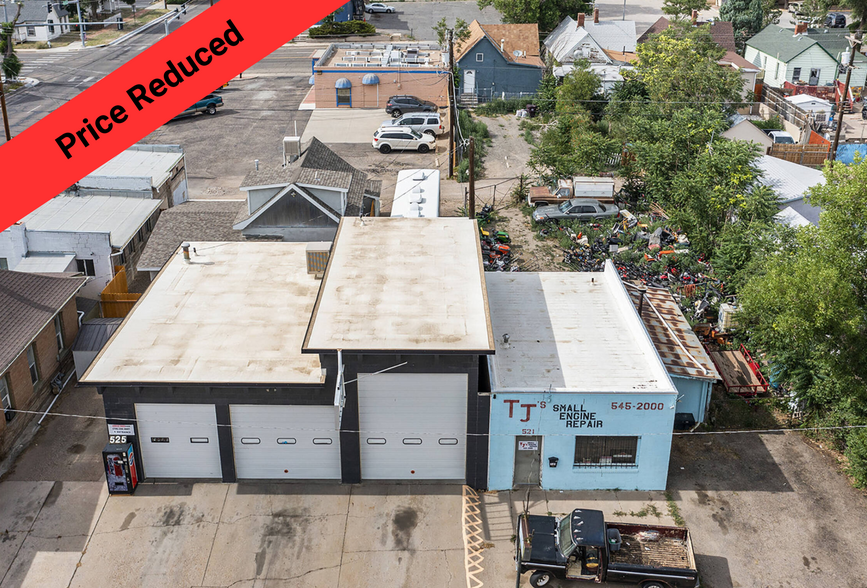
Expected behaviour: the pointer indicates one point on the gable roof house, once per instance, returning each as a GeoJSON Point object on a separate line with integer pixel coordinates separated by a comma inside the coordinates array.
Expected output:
{"type": "Point", "coordinates": [305, 200]}
{"type": "Point", "coordinates": [38, 324]}
{"type": "Point", "coordinates": [802, 56]}
{"type": "Point", "coordinates": [36, 11]}
{"type": "Point", "coordinates": [609, 46]}
{"type": "Point", "coordinates": [721, 31]}
{"type": "Point", "coordinates": [500, 58]}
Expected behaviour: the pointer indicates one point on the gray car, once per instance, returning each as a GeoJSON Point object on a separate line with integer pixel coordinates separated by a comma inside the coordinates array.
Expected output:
{"type": "Point", "coordinates": [581, 209]}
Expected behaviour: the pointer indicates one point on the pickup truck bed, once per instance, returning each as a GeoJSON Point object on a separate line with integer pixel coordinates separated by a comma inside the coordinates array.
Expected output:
{"type": "Point", "coordinates": [671, 551]}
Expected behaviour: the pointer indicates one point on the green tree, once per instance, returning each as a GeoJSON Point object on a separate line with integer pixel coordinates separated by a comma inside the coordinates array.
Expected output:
{"type": "Point", "coordinates": [580, 86]}
{"type": "Point", "coordinates": [681, 9]}
{"type": "Point", "coordinates": [546, 13]}
{"type": "Point", "coordinates": [815, 11]}
{"type": "Point", "coordinates": [770, 13]}
{"type": "Point", "coordinates": [807, 310]}
{"type": "Point", "coordinates": [572, 146]}
{"type": "Point", "coordinates": [680, 65]}
{"type": "Point", "coordinates": [10, 65]}
{"type": "Point", "coordinates": [716, 189]}
{"type": "Point", "coordinates": [746, 17]}
{"type": "Point", "coordinates": [461, 31]}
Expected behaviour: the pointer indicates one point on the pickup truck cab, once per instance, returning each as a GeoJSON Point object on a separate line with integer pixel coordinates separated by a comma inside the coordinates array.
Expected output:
{"type": "Point", "coordinates": [208, 104]}
{"type": "Point", "coordinates": [781, 137]}
{"type": "Point", "coordinates": [581, 546]}
{"type": "Point", "coordinates": [577, 187]}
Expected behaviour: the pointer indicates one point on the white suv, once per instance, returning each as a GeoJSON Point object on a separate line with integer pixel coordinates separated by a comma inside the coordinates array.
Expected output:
{"type": "Point", "coordinates": [423, 122]}
{"type": "Point", "coordinates": [386, 140]}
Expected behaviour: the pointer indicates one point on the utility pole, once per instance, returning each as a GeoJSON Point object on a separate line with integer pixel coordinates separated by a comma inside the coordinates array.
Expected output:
{"type": "Point", "coordinates": [452, 107]}
{"type": "Point", "coordinates": [3, 110]}
{"type": "Point", "coordinates": [856, 48]}
{"type": "Point", "coordinates": [80, 24]}
{"type": "Point", "coordinates": [471, 204]}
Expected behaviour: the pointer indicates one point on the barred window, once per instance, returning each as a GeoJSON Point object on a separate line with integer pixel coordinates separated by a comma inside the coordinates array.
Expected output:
{"type": "Point", "coordinates": [606, 451]}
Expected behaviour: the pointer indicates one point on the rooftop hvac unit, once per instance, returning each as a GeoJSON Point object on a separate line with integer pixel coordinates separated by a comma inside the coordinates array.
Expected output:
{"type": "Point", "coordinates": [414, 210]}
{"type": "Point", "coordinates": [291, 149]}
{"type": "Point", "coordinates": [317, 258]}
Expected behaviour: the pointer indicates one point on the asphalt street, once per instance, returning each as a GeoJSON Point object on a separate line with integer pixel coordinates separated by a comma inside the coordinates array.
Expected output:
{"type": "Point", "coordinates": [65, 72]}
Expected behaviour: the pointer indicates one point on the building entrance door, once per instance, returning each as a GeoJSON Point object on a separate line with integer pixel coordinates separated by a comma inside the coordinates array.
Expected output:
{"type": "Point", "coordinates": [528, 461]}
{"type": "Point", "coordinates": [470, 81]}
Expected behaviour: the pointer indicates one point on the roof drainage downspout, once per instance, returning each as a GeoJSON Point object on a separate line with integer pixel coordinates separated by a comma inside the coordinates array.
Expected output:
{"type": "Point", "coordinates": [55, 399]}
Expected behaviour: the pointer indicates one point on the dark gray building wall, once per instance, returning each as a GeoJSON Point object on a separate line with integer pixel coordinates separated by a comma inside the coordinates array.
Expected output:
{"type": "Point", "coordinates": [119, 402]}
{"type": "Point", "coordinates": [477, 406]}
{"type": "Point", "coordinates": [495, 74]}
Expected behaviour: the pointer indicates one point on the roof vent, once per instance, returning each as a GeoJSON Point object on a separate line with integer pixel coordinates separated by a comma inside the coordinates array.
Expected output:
{"type": "Point", "coordinates": [317, 258]}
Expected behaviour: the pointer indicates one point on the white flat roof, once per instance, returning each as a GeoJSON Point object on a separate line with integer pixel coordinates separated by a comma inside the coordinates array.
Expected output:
{"type": "Point", "coordinates": [157, 165]}
{"type": "Point", "coordinates": [403, 284]}
{"type": "Point", "coordinates": [236, 313]}
{"type": "Point", "coordinates": [417, 194]}
{"type": "Point", "coordinates": [570, 332]}
{"type": "Point", "coordinates": [119, 216]}
{"type": "Point", "coordinates": [45, 263]}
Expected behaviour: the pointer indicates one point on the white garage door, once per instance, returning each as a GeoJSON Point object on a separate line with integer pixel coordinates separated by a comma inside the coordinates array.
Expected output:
{"type": "Point", "coordinates": [413, 426]}
{"type": "Point", "coordinates": [285, 442]}
{"type": "Point", "coordinates": [179, 440]}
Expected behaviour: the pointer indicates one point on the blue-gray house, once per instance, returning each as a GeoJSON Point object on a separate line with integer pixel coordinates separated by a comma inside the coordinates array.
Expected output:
{"type": "Point", "coordinates": [499, 60]}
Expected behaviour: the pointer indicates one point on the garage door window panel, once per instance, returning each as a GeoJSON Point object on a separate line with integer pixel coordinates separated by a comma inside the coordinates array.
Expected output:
{"type": "Point", "coordinates": [606, 452]}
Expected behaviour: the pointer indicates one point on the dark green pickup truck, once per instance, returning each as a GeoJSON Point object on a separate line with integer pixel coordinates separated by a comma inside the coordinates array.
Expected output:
{"type": "Point", "coordinates": [208, 104]}
{"type": "Point", "coordinates": [583, 546]}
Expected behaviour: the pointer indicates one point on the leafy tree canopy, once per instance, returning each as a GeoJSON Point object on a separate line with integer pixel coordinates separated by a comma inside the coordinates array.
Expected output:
{"type": "Point", "coordinates": [546, 13]}
{"type": "Point", "coordinates": [807, 310]}
{"type": "Point", "coordinates": [461, 31]}
{"type": "Point", "coordinates": [682, 9]}
{"type": "Point", "coordinates": [746, 16]}
{"type": "Point", "coordinates": [680, 65]}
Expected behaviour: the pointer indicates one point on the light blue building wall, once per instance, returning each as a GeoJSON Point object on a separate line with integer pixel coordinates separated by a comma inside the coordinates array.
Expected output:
{"type": "Point", "coordinates": [693, 396]}
{"type": "Point", "coordinates": [560, 417]}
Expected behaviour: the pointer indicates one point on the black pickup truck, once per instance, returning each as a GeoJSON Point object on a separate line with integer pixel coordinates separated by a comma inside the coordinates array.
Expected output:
{"type": "Point", "coordinates": [582, 546]}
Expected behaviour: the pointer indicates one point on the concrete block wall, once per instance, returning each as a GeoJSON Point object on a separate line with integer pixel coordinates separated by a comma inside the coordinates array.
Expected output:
{"type": "Point", "coordinates": [95, 246]}
{"type": "Point", "coordinates": [23, 393]}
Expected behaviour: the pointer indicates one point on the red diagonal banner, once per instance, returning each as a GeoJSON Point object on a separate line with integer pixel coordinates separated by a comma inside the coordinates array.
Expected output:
{"type": "Point", "coordinates": [138, 97]}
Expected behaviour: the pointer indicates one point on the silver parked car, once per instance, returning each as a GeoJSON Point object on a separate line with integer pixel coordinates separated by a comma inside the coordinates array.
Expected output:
{"type": "Point", "coordinates": [424, 122]}
{"type": "Point", "coordinates": [581, 209]}
{"type": "Point", "coordinates": [378, 7]}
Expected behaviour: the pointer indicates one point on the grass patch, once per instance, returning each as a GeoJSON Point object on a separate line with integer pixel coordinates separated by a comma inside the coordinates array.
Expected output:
{"type": "Point", "coordinates": [529, 137]}
{"type": "Point", "coordinates": [500, 106]}
{"type": "Point", "coordinates": [674, 510]}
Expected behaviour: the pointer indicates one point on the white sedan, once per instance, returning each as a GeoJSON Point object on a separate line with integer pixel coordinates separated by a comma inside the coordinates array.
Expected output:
{"type": "Point", "coordinates": [386, 140]}
{"type": "Point", "coordinates": [378, 7]}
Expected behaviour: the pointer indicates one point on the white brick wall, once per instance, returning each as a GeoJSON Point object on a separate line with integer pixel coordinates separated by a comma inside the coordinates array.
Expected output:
{"type": "Point", "coordinates": [13, 245]}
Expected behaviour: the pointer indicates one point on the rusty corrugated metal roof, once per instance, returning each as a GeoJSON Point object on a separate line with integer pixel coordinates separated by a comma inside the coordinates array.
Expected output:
{"type": "Point", "coordinates": [694, 364]}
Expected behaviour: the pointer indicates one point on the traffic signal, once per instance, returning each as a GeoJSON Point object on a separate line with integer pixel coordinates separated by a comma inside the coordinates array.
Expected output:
{"type": "Point", "coordinates": [49, 8]}
{"type": "Point", "coordinates": [119, 23]}
{"type": "Point", "coordinates": [184, 9]}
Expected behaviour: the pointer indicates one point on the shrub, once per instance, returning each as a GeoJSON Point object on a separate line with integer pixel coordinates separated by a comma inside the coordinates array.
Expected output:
{"type": "Point", "coordinates": [479, 131]}
{"type": "Point", "coordinates": [856, 452]}
{"type": "Point", "coordinates": [500, 106]}
{"type": "Point", "coordinates": [772, 124]}
{"type": "Point", "coordinates": [350, 27]}
{"type": "Point", "coordinates": [11, 66]}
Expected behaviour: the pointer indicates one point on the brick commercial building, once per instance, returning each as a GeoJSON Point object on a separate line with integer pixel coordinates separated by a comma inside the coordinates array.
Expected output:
{"type": "Point", "coordinates": [38, 324]}
{"type": "Point", "coordinates": [365, 75]}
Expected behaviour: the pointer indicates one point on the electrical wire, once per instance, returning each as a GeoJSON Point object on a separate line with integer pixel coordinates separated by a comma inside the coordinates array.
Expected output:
{"type": "Point", "coordinates": [441, 433]}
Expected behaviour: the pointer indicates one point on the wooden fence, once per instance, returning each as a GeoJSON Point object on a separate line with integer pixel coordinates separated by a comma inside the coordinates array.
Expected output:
{"type": "Point", "coordinates": [116, 300]}
{"type": "Point", "coordinates": [811, 154]}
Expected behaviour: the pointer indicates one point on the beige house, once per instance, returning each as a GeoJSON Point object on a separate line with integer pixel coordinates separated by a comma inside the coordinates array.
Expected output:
{"type": "Point", "coordinates": [747, 131]}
